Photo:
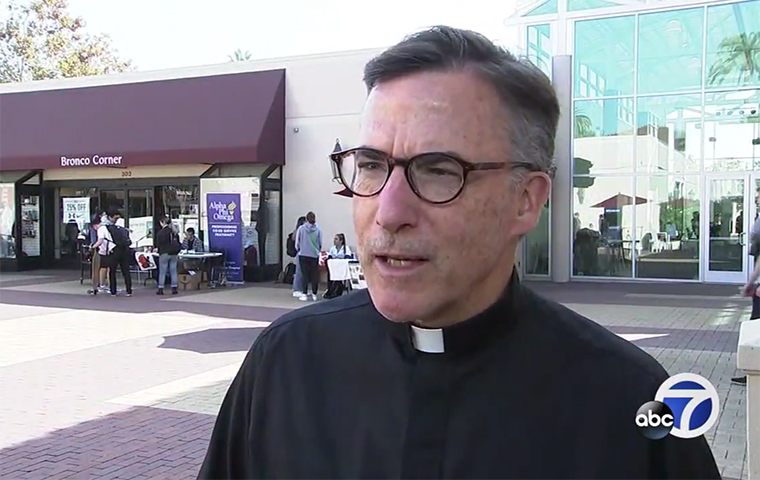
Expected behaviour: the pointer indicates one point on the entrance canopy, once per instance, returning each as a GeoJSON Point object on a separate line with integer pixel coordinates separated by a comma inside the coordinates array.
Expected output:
{"type": "Point", "coordinates": [231, 118]}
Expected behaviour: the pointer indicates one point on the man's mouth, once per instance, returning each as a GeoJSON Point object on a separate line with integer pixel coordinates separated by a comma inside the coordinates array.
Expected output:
{"type": "Point", "coordinates": [400, 260]}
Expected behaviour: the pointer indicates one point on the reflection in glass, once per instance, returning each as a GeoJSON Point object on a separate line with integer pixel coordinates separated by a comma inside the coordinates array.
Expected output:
{"type": "Point", "coordinates": [180, 203]}
{"type": "Point", "coordinates": [733, 45]}
{"type": "Point", "coordinates": [140, 217]}
{"type": "Point", "coordinates": [112, 199]}
{"type": "Point", "coordinates": [602, 223]}
{"type": "Point", "coordinates": [7, 220]}
{"type": "Point", "coordinates": [540, 48]}
{"type": "Point", "coordinates": [250, 192]}
{"type": "Point", "coordinates": [604, 57]}
{"type": "Point", "coordinates": [603, 136]}
{"type": "Point", "coordinates": [669, 134]}
{"type": "Point", "coordinates": [546, 8]}
{"type": "Point", "coordinates": [732, 130]}
{"type": "Point", "coordinates": [273, 244]}
{"type": "Point", "coordinates": [726, 249]}
{"type": "Point", "coordinates": [30, 225]}
{"type": "Point", "coordinates": [670, 51]}
{"type": "Point", "coordinates": [68, 232]}
{"type": "Point", "coordinates": [667, 227]}
{"type": "Point", "coordinates": [537, 245]}
{"type": "Point", "coordinates": [576, 5]}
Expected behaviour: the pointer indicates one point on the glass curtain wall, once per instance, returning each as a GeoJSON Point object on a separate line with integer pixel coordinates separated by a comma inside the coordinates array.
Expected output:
{"type": "Point", "coordinates": [537, 243]}
{"type": "Point", "coordinates": [661, 99]}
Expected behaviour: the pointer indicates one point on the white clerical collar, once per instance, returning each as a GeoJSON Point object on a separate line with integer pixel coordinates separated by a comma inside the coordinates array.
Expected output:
{"type": "Point", "coordinates": [428, 340]}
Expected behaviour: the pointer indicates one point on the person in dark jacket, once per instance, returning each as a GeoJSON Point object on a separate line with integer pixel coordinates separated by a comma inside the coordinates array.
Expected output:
{"type": "Point", "coordinates": [168, 249]}
{"type": "Point", "coordinates": [446, 366]}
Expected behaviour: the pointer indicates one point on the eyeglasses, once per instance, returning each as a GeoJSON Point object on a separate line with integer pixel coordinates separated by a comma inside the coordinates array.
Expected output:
{"type": "Point", "coordinates": [435, 177]}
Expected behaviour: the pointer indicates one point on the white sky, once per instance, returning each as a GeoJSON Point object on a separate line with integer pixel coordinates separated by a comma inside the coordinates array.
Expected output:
{"type": "Point", "coordinates": [158, 34]}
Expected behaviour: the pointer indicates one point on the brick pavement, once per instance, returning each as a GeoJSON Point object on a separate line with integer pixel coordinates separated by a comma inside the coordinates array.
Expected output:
{"type": "Point", "coordinates": [133, 395]}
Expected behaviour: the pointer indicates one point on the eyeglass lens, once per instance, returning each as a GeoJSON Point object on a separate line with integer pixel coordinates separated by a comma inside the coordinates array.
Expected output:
{"type": "Point", "coordinates": [436, 177]}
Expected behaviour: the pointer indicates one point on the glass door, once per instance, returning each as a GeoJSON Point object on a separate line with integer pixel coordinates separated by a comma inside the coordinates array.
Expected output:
{"type": "Point", "coordinates": [139, 216]}
{"type": "Point", "coordinates": [725, 225]}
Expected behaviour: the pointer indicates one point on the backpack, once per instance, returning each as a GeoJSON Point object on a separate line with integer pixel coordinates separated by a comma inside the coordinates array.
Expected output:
{"type": "Point", "coordinates": [291, 246]}
{"type": "Point", "coordinates": [175, 246]}
{"type": "Point", "coordinates": [289, 274]}
{"type": "Point", "coordinates": [120, 236]}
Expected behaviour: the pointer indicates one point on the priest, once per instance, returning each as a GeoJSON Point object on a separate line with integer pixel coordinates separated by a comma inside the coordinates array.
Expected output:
{"type": "Point", "coordinates": [446, 366]}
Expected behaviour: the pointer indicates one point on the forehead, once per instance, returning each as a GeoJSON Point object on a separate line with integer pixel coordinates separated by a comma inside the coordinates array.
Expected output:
{"type": "Point", "coordinates": [445, 111]}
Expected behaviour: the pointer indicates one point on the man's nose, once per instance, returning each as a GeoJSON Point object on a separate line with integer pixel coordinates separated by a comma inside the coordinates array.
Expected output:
{"type": "Point", "coordinates": [398, 205]}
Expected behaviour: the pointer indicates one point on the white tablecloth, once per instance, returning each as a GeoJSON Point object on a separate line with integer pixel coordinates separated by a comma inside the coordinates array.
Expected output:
{"type": "Point", "coordinates": [338, 268]}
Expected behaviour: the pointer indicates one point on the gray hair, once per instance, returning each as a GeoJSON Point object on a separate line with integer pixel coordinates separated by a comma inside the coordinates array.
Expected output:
{"type": "Point", "coordinates": [530, 102]}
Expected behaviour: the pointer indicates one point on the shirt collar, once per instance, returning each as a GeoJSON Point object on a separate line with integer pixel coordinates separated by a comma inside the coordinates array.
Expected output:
{"type": "Point", "coordinates": [463, 337]}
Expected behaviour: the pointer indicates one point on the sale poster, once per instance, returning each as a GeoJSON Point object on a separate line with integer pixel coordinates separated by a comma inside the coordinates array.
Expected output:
{"type": "Point", "coordinates": [76, 210]}
{"type": "Point", "coordinates": [225, 231]}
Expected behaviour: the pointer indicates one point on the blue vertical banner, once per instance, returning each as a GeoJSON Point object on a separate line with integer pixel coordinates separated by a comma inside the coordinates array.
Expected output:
{"type": "Point", "coordinates": [225, 231]}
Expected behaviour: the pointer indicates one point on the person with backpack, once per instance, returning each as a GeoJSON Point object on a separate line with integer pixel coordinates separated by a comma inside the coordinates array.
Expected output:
{"type": "Point", "coordinates": [114, 248]}
{"type": "Point", "coordinates": [292, 252]}
{"type": "Point", "coordinates": [169, 247]}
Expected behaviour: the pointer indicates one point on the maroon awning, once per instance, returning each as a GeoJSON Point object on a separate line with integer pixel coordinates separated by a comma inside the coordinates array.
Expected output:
{"type": "Point", "coordinates": [233, 118]}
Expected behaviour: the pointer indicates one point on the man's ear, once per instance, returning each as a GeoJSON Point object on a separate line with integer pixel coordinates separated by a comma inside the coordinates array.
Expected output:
{"type": "Point", "coordinates": [533, 192]}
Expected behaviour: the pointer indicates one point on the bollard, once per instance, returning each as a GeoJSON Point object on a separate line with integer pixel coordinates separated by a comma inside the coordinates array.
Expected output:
{"type": "Point", "coordinates": [748, 360]}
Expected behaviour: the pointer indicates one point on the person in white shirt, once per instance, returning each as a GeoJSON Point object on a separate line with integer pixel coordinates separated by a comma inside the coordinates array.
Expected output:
{"type": "Point", "coordinates": [113, 256]}
{"type": "Point", "coordinates": [338, 250]}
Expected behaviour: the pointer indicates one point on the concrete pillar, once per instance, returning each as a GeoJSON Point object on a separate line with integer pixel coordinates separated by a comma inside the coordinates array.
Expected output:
{"type": "Point", "coordinates": [562, 188]}
{"type": "Point", "coordinates": [748, 359]}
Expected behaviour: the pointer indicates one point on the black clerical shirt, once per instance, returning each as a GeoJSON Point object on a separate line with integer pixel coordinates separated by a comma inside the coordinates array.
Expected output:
{"type": "Point", "coordinates": [526, 389]}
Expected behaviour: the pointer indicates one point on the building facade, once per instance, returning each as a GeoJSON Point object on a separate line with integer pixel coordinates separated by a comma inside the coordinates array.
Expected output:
{"type": "Point", "coordinates": [154, 143]}
{"type": "Point", "coordinates": [658, 149]}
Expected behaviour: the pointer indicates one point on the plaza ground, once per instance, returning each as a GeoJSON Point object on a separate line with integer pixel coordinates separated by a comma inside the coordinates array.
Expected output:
{"type": "Point", "coordinates": [101, 387]}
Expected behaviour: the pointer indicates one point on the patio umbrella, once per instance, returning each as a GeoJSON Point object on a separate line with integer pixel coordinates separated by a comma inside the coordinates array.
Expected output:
{"type": "Point", "coordinates": [619, 200]}
{"type": "Point", "coordinates": [344, 192]}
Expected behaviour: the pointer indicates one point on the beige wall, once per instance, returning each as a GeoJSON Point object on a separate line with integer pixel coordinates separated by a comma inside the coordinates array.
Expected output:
{"type": "Point", "coordinates": [316, 117]}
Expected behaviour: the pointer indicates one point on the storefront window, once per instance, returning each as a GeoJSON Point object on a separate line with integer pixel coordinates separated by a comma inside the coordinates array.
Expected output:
{"type": "Point", "coordinates": [669, 134]}
{"type": "Point", "coordinates": [604, 57]}
{"type": "Point", "coordinates": [603, 136]}
{"type": "Point", "coordinates": [242, 248]}
{"type": "Point", "coordinates": [30, 225]}
{"type": "Point", "coordinates": [546, 8]}
{"type": "Point", "coordinates": [540, 48]}
{"type": "Point", "coordinates": [7, 220]}
{"type": "Point", "coordinates": [77, 206]}
{"type": "Point", "coordinates": [670, 51]}
{"type": "Point", "coordinates": [732, 45]}
{"type": "Point", "coordinates": [180, 204]}
{"type": "Point", "coordinates": [602, 226]}
{"type": "Point", "coordinates": [667, 227]}
{"type": "Point", "coordinates": [577, 5]}
{"type": "Point", "coordinates": [537, 245]}
{"type": "Point", "coordinates": [732, 131]}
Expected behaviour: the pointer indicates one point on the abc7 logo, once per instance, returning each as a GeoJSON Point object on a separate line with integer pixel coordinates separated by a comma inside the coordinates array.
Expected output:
{"type": "Point", "coordinates": [696, 402]}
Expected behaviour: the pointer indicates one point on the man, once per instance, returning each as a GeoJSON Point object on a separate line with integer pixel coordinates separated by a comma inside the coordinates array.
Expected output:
{"type": "Point", "coordinates": [113, 244]}
{"type": "Point", "coordinates": [752, 288]}
{"type": "Point", "coordinates": [446, 366]}
{"type": "Point", "coordinates": [309, 247]}
{"type": "Point", "coordinates": [97, 271]}
{"type": "Point", "coordinates": [191, 242]}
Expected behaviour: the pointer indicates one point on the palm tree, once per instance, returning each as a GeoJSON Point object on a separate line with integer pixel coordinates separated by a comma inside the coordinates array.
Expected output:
{"type": "Point", "coordinates": [738, 55]}
{"type": "Point", "coordinates": [240, 56]}
{"type": "Point", "coordinates": [584, 126]}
